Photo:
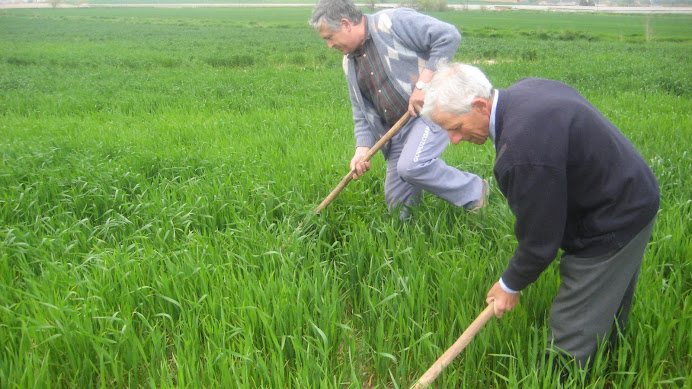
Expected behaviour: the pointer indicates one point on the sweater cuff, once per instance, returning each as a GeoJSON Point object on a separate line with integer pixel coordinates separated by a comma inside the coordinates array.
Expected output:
{"type": "Point", "coordinates": [506, 288]}
{"type": "Point", "coordinates": [436, 58]}
{"type": "Point", "coordinates": [433, 62]}
{"type": "Point", "coordinates": [365, 140]}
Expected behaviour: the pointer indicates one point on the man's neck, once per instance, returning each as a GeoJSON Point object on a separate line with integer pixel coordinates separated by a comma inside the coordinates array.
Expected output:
{"type": "Point", "coordinates": [361, 31]}
{"type": "Point", "coordinates": [492, 124]}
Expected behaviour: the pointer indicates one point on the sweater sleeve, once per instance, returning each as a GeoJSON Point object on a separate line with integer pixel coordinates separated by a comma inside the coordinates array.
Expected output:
{"type": "Point", "coordinates": [537, 195]}
{"type": "Point", "coordinates": [425, 34]}
{"type": "Point", "coordinates": [364, 136]}
{"type": "Point", "coordinates": [362, 132]}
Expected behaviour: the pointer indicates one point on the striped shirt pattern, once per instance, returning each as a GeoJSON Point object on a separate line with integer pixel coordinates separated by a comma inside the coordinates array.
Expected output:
{"type": "Point", "coordinates": [375, 84]}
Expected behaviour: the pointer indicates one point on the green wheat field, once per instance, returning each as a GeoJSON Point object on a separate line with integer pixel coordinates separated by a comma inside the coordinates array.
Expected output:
{"type": "Point", "coordinates": [158, 173]}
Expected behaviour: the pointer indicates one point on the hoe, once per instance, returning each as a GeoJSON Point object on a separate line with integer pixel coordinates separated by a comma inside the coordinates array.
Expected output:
{"type": "Point", "coordinates": [451, 353]}
{"type": "Point", "coordinates": [347, 178]}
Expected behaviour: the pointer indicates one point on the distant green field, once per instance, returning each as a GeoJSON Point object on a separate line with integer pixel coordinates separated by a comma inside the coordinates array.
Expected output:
{"type": "Point", "coordinates": [159, 167]}
{"type": "Point", "coordinates": [261, 2]}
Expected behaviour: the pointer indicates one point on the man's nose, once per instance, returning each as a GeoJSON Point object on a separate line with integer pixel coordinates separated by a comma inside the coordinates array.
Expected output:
{"type": "Point", "coordinates": [454, 137]}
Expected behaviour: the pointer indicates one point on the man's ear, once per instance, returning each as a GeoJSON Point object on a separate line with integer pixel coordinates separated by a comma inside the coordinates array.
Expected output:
{"type": "Point", "coordinates": [345, 23]}
{"type": "Point", "coordinates": [482, 105]}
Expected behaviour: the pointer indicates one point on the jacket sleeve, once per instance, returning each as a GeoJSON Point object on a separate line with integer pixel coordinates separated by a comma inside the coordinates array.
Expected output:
{"type": "Point", "coordinates": [537, 196]}
{"type": "Point", "coordinates": [425, 34]}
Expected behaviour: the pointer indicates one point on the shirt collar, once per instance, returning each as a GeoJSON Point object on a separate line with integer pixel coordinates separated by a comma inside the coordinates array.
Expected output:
{"type": "Point", "coordinates": [491, 125]}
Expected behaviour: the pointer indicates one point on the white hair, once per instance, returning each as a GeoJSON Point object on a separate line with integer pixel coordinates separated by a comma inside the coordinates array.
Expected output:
{"type": "Point", "coordinates": [453, 88]}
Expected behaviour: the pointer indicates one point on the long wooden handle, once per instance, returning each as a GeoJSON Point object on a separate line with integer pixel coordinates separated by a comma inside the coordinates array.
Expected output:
{"type": "Point", "coordinates": [347, 178]}
{"type": "Point", "coordinates": [446, 358]}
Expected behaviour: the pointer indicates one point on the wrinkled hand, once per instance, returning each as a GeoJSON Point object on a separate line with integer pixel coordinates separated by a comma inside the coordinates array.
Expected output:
{"type": "Point", "coordinates": [504, 301]}
{"type": "Point", "coordinates": [357, 163]}
{"type": "Point", "coordinates": [415, 103]}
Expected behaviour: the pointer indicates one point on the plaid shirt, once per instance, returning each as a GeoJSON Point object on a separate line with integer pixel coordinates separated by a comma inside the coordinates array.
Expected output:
{"type": "Point", "coordinates": [375, 85]}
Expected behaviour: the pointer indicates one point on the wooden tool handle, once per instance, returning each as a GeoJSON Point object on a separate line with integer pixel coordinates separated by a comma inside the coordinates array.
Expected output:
{"type": "Point", "coordinates": [347, 178]}
{"type": "Point", "coordinates": [446, 358]}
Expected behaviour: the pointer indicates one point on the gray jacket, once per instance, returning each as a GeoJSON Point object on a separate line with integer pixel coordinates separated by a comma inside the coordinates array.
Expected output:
{"type": "Point", "coordinates": [407, 42]}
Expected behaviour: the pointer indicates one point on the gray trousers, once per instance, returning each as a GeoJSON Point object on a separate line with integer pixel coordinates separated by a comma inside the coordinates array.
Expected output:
{"type": "Point", "coordinates": [594, 294]}
{"type": "Point", "coordinates": [414, 166]}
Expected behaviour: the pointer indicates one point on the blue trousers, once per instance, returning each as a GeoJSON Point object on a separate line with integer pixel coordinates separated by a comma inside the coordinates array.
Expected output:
{"type": "Point", "coordinates": [414, 166]}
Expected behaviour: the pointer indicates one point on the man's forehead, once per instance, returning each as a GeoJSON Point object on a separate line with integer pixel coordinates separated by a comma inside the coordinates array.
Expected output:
{"type": "Point", "coordinates": [324, 31]}
{"type": "Point", "coordinates": [440, 116]}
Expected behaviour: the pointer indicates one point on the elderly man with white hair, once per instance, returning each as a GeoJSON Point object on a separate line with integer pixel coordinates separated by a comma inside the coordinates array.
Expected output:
{"type": "Point", "coordinates": [573, 181]}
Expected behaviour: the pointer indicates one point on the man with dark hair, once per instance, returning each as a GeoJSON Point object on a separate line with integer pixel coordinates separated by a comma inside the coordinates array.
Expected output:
{"type": "Point", "coordinates": [388, 59]}
{"type": "Point", "coordinates": [573, 182]}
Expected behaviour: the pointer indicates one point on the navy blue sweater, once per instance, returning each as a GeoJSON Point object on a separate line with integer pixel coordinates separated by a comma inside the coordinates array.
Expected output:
{"type": "Point", "coordinates": [571, 178]}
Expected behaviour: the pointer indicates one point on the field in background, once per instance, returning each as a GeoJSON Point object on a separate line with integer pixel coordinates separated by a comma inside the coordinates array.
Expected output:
{"type": "Point", "coordinates": [158, 168]}
{"type": "Point", "coordinates": [370, 4]}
